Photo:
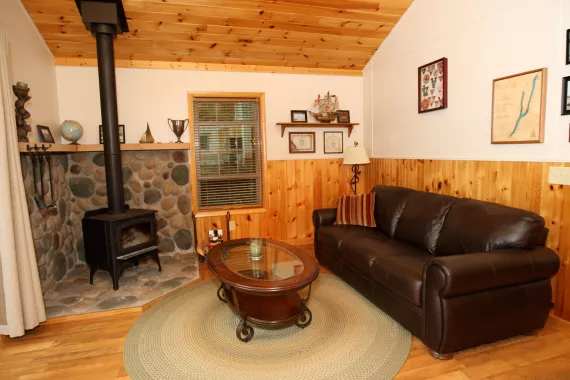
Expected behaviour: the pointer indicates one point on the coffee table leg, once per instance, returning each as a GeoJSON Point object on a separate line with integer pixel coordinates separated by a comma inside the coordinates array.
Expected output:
{"type": "Point", "coordinates": [222, 293]}
{"type": "Point", "coordinates": [244, 332]}
{"type": "Point", "coordinates": [305, 318]}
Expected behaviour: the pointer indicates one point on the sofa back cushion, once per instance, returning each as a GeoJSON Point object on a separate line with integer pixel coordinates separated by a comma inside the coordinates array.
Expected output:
{"type": "Point", "coordinates": [422, 219]}
{"type": "Point", "coordinates": [389, 205]}
{"type": "Point", "coordinates": [477, 226]}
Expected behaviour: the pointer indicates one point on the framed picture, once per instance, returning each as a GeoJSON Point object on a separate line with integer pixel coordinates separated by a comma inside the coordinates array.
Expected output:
{"type": "Point", "coordinates": [519, 103]}
{"type": "Point", "coordinates": [566, 96]}
{"type": "Point", "coordinates": [568, 47]}
{"type": "Point", "coordinates": [333, 142]}
{"type": "Point", "coordinates": [121, 134]}
{"type": "Point", "coordinates": [301, 142]}
{"type": "Point", "coordinates": [45, 134]}
{"type": "Point", "coordinates": [343, 116]}
{"type": "Point", "coordinates": [298, 116]}
{"type": "Point", "coordinates": [432, 86]}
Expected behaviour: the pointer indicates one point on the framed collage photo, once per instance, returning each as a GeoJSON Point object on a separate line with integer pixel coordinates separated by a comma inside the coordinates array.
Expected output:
{"type": "Point", "coordinates": [333, 142]}
{"type": "Point", "coordinates": [301, 142]}
{"type": "Point", "coordinates": [432, 86]}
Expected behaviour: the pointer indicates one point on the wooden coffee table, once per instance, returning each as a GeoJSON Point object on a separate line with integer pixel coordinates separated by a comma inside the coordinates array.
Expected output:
{"type": "Point", "coordinates": [263, 290]}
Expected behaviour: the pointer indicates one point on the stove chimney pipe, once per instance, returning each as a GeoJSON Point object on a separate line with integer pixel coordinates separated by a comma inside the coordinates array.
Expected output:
{"type": "Point", "coordinates": [106, 18]}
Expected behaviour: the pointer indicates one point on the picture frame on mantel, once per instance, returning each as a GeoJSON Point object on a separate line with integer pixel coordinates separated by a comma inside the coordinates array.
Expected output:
{"type": "Point", "coordinates": [121, 134]}
{"type": "Point", "coordinates": [519, 108]}
{"type": "Point", "coordinates": [568, 47]}
{"type": "Point", "coordinates": [432, 86]}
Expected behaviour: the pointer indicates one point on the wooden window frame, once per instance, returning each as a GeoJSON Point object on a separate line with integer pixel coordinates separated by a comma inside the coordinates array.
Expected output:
{"type": "Point", "coordinates": [193, 175]}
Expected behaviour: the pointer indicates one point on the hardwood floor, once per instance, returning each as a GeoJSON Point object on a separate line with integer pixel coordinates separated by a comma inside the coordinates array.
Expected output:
{"type": "Point", "coordinates": [91, 347]}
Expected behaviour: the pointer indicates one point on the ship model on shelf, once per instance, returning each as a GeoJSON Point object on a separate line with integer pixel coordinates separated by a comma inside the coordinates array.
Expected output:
{"type": "Point", "coordinates": [325, 108]}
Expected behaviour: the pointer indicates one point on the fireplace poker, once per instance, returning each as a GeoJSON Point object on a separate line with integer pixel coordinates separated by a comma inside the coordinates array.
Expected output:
{"type": "Point", "coordinates": [37, 197]}
{"type": "Point", "coordinates": [50, 206]}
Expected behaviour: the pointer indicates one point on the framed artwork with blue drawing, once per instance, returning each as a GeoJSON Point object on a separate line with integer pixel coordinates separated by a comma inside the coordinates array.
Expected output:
{"type": "Point", "coordinates": [432, 86]}
{"type": "Point", "coordinates": [519, 104]}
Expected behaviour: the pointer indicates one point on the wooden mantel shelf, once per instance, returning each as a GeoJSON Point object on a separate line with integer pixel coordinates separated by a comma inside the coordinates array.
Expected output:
{"type": "Point", "coordinates": [69, 148]}
{"type": "Point", "coordinates": [285, 125]}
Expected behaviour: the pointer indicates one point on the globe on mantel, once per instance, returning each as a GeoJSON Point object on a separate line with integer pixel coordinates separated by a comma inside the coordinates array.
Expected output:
{"type": "Point", "coordinates": [71, 131]}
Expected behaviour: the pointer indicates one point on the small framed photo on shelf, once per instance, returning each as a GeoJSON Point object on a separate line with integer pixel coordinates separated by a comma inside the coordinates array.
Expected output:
{"type": "Point", "coordinates": [45, 134]}
{"type": "Point", "coordinates": [343, 116]}
{"type": "Point", "coordinates": [301, 142]}
{"type": "Point", "coordinates": [333, 142]}
{"type": "Point", "coordinates": [121, 134]}
{"type": "Point", "coordinates": [299, 116]}
{"type": "Point", "coordinates": [566, 96]}
{"type": "Point", "coordinates": [568, 47]}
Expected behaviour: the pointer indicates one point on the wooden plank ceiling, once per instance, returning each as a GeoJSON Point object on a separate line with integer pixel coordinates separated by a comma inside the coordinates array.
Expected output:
{"type": "Point", "coordinates": [337, 36]}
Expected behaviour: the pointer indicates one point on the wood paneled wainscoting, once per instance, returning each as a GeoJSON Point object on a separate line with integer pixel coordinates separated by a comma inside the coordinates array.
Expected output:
{"type": "Point", "coordinates": [517, 184]}
{"type": "Point", "coordinates": [295, 188]}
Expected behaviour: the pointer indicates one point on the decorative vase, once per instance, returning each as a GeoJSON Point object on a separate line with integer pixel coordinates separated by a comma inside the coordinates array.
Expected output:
{"type": "Point", "coordinates": [21, 91]}
{"type": "Point", "coordinates": [178, 127]}
{"type": "Point", "coordinates": [71, 131]}
{"type": "Point", "coordinates": [147, 136]}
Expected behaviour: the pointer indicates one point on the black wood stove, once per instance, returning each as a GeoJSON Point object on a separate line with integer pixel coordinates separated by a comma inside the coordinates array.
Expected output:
{"type": "Point", "coordinates": [117, 236]}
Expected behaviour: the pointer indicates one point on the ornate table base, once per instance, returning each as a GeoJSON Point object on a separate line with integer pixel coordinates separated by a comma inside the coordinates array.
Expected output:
{"type": "Point", "coordinates": [279, 310]}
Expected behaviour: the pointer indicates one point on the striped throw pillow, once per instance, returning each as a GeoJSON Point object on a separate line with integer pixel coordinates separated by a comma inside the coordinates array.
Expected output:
{"type": "Point", "coordinates": [356, 210]}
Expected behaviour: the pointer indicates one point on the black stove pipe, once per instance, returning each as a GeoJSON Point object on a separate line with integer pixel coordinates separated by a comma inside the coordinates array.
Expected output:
{"type": "Point", "coordinates": [104, 34]}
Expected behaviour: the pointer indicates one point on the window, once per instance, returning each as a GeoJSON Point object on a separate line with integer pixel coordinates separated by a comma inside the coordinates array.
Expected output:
{"type": "Point", "coordinates": [228, 155]}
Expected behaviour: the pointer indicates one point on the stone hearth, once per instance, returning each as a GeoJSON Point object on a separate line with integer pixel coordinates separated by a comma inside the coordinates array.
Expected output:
{"type": "Point", "coordinates": [138, 286]}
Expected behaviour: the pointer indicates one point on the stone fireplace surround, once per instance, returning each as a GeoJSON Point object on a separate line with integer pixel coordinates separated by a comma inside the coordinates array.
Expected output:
{"type": "Point", "coordinates": [157, 180]}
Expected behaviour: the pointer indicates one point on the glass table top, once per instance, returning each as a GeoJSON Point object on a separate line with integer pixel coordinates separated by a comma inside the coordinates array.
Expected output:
{"type": "Point", "coordinates": [262, 260]}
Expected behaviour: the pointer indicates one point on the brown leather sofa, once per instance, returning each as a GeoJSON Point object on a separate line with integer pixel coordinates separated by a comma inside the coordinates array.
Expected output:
{"type": "Point", "coordinates": [455, 272]}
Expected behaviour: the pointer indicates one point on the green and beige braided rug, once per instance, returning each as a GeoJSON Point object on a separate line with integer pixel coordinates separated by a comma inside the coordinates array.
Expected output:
{"type": "Point", "coordinates": [190, 335]}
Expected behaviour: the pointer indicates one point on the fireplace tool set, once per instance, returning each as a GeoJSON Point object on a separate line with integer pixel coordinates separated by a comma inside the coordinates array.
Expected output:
{"type": "Point", "coordinates": [39, 156]}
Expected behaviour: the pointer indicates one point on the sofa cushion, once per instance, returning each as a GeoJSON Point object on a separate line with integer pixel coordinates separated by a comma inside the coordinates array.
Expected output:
{"type": "Point", "coordinates": [330, 238]}
{"type": "Point", "coordinates": [360, 253]}
{"type": "Point", "coordinates": [389, 205]}
{"type": "Point", "coordinates": [393, 264]}
{"type": "Point", "coordinates": [477, 226]}
{"type": "Point", "coordinates": [357, 210]}
{"type": "Point", "coordinates": [422, 219]}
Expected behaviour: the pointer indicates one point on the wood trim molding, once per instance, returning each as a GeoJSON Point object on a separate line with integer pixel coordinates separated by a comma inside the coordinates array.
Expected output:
{"type": "Point", "coordinates": [263, 127]}
{"type": "Point", "coordinates": [137, 64]}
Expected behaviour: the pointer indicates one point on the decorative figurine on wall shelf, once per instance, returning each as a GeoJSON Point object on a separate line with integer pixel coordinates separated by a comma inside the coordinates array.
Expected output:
{"type": "Point", "coordinates": [72, 131]}
{"type": "Point", "coordinates": [325, 108]}
{"type": "Point", "coordinates": [147, 136]}
{"type": "Point", "coordinates": [21, 91]}
{"type": "Point", "coordinates": [178, 127]}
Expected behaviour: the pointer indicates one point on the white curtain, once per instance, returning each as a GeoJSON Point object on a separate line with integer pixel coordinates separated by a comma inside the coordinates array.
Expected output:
{"type": "Point", "coordinates": [20, 279]}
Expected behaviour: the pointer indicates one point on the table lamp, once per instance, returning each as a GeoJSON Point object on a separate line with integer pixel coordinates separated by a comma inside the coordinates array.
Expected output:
{"type": "Point", "coordinates": [355, 156]}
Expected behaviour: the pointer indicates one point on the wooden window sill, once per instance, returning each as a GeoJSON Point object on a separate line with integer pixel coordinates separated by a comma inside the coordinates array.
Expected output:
{"type": "Point", "coordinates": [238, 211]}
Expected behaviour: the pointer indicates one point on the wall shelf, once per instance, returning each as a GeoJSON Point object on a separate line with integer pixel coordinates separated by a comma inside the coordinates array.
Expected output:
{"type": "Point", "coordinates": [68, 148]}
{"type": "Point", "coordinates": [286, 125]}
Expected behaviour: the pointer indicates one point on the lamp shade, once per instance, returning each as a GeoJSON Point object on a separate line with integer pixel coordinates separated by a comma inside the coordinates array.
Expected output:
{"type": "Point", "coordinates": [355, 155]}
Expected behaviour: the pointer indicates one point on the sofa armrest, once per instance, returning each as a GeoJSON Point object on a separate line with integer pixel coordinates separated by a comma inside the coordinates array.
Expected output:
{"type": "Point", "coordinates": [324, 217]}
{"type": "Point", "coordinates": [474, 272]}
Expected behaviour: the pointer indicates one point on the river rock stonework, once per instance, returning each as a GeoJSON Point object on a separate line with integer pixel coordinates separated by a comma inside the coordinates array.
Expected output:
{"type": "Point", "coordinates": [156, 180]}
{"type": "Point", "coordinates": [51, 230]}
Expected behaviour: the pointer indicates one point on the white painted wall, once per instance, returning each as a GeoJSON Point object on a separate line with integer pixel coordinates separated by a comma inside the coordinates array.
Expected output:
{"type": "Point", "coordinates": [32, 63]}
{"type": "Point", "coordinates": [154, 95]}
{"type": "Point", "coordinates": [483, 40]}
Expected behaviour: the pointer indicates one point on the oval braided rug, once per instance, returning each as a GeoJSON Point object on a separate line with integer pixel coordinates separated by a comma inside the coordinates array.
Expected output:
{"type": "Point", "coordinates": [190, 335]}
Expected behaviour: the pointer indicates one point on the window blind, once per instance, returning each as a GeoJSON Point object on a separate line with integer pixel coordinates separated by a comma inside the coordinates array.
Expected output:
{"type": "Point", "coordinates": [227, 144]}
